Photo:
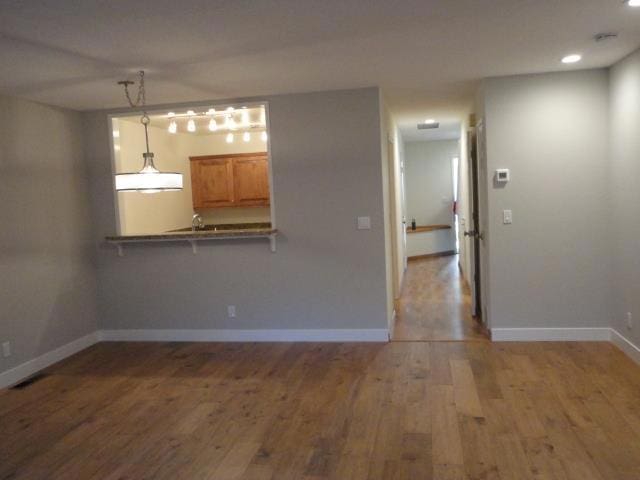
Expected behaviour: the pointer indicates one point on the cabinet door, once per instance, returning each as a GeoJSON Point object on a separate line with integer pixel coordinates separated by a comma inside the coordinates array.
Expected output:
{"type": "Point", "coordinates": [212, 183]}
{"type": "Point", "coordinates": [251, 181]}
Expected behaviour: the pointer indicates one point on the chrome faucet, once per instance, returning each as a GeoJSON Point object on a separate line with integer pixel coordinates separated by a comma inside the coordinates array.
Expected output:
{"type": "Point", "coordinates": [196, 222]}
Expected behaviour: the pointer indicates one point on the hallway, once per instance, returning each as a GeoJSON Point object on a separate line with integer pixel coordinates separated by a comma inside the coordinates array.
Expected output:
{"type": "Point", "coordinates": [435, 304]}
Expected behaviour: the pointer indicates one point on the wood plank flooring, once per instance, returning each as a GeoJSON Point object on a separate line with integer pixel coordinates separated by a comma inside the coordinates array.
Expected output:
{"type": "Point", "coordinates": [435, 304]}
{"type": "Point", "coordinates": [405, 410]}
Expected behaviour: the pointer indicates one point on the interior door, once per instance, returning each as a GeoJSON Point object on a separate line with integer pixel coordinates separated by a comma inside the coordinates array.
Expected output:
{"type": "Point", "coordinates": [474, 232]}
{"type": "Point", "coordinates": [482, 228]}
{"type": "Point", "coordinates": [403, 203]}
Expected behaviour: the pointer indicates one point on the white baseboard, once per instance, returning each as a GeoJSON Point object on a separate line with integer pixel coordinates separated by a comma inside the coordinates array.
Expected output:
{"type": "Point", "coordinates": [392, 327]}
{"type": "Point", "coordinates": [551, 334]}
{"type": "Point", "coordinates": [16, 374]}
{"type": "Point", "coordinates": [25, 370]}
{"type": "Point", "coordinates": [323, 335]}
{"type": "Point", "coordinates": [624, 344]}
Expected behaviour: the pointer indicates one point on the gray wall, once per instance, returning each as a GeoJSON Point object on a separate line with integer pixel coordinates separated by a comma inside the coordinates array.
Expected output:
{"type": "Point", "coordinates": [326, 274]}
{"type": "Point", "coordinates": [48, 280]}
{"type": "Point", "coordinates": [625, 204]}
{"type": "Point", "coordinates": [551, 267]}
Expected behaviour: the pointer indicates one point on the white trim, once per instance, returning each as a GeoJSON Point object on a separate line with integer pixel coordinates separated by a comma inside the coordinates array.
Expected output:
{"type": "Point", "coordinates": [324, 335]}
{"type": "Point", "coordinates": [26, 369]}
{"type": "Point", "coordinates": [392, 327]}
{"type": "Point", "coordinates": [602, 334]}
{"type": "Point", "coordinates": [119, 242]}
{"type": "Point", "coordinates": [626, 345]}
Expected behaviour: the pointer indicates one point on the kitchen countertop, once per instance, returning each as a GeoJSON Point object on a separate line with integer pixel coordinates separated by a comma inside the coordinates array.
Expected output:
{"type": "Point", "coordinates": [427, 228]}
{"type": "Point", "coordinates": [228, 226]}
{"type": "Point", "coordinates": [210, 231]}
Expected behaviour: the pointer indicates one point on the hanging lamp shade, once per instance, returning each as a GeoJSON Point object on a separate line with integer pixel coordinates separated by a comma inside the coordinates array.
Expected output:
{"type": "Point", "coordinates": [149, 179]}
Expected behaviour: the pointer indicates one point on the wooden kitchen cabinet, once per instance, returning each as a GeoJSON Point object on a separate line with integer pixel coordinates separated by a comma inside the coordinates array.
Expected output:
{"type": "Point", "coordinates": [251, 180]}
{"type": "Point", "coordinates": [234, 180]}
{"type": "Point", "coordinates": [212, 182]}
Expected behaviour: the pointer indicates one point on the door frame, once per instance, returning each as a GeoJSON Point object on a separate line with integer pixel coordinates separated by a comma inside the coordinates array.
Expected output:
{"type": "Point", "coordinates": [483, 225]}
{"type": "Point", "coordinates": [393, 217]}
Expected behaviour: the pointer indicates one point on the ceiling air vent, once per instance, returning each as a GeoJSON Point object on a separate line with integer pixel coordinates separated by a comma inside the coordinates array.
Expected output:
{"type": "Point", "coordinates": [428, 126]}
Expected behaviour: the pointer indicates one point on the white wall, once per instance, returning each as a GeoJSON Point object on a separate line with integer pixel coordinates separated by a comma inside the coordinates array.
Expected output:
{"type": "Point", "coordinates": [395, 190]}
{"type": "Point", "coordinates": [624, 230]}
{"type": "Point", "coordinates": [326, 274]}
{"type": "Point", "coordinates": [400, 204]}
{"type": "Point", "coordinates": [429, 194]}
{"type": "Point", "coordinates": [386, 171]}
{"type": "Point", "coordinates": [550, 267]}
{"type": "Point", "coordinates": [48, 294]}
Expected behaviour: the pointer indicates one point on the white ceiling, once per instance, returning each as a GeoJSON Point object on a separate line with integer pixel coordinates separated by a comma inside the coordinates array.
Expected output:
{"type": "Point", "coordinates": [447, 130]}
{"type": "Point", "coordinates": [428, 55]}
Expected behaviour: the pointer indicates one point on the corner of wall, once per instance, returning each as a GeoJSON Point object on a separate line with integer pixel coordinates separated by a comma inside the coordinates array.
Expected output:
{"type": "Point", "coordinates": [383, 122]}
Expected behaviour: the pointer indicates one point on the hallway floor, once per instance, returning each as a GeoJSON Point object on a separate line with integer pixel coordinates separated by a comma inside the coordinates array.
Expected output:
{"type": "Point", "coordinates": [435, 304]}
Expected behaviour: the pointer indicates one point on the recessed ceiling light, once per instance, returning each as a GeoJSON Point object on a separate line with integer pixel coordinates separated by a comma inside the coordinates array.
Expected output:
{"type": "Point", "coordinates": [573, 58]}
{"type": "Point", "coordinates": [633, 3]}
{"type": "Point", "coordinates": [429, 121]}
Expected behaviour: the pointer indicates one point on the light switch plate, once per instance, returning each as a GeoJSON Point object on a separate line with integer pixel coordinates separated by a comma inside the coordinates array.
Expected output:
{"type": "Point", "coordinates": [364, 223]}
{"type": "Point", "coordinates": [231, 311]}
{"type": "Point", "coordinates": [6, 349]}
{"type": "Point", "coordinates": [507, 217]}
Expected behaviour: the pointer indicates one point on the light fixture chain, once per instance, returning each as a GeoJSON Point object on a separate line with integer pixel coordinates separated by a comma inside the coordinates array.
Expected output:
{"type": "Point", "coordinates": [141, 99]}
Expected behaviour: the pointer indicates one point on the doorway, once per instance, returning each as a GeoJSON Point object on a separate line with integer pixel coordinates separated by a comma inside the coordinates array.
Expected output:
{"type": "Point", "coordinates": [441, 295]}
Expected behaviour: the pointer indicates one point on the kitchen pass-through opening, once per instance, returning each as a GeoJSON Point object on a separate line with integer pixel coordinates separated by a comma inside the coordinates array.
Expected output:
{"type": "Point", "coordinates": [222, 155]}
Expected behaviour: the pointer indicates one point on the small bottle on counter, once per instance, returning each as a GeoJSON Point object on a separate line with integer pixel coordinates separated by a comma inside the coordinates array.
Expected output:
{"type": "Point", "coordinates": [413, 224]}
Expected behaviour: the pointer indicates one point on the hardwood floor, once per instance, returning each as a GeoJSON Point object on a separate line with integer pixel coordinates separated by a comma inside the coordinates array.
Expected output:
{"type": "Point", "coordinates": [435, 303]}
{"type": "Point", "coordinates": [405, 410]}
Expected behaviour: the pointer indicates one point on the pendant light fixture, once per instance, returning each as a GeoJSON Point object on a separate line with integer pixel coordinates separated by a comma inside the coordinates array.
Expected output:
{"type": "Point", "coordinates": [149, 179]}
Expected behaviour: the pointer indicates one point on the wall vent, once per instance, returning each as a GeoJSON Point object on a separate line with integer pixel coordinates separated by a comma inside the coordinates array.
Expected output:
{"type": "Point", "coordinates": [428, 126]}
{"type": "Point", "coordinates": [29, 381]}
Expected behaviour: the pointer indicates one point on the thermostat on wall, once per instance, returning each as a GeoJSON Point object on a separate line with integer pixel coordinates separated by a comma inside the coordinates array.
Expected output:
{"type": "Point", "coordinates": [502, 175]}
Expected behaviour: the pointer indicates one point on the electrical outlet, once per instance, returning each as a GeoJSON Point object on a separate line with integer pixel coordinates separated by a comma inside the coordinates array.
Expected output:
{"type": "Point", "coordinates": [6, 349]}
{"type": "Point", "coordinates": [364, 223]}
{"type": "Point", "coordinates": [629, 321]}
{"type": "Point", "coordinates": [231, 311]}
